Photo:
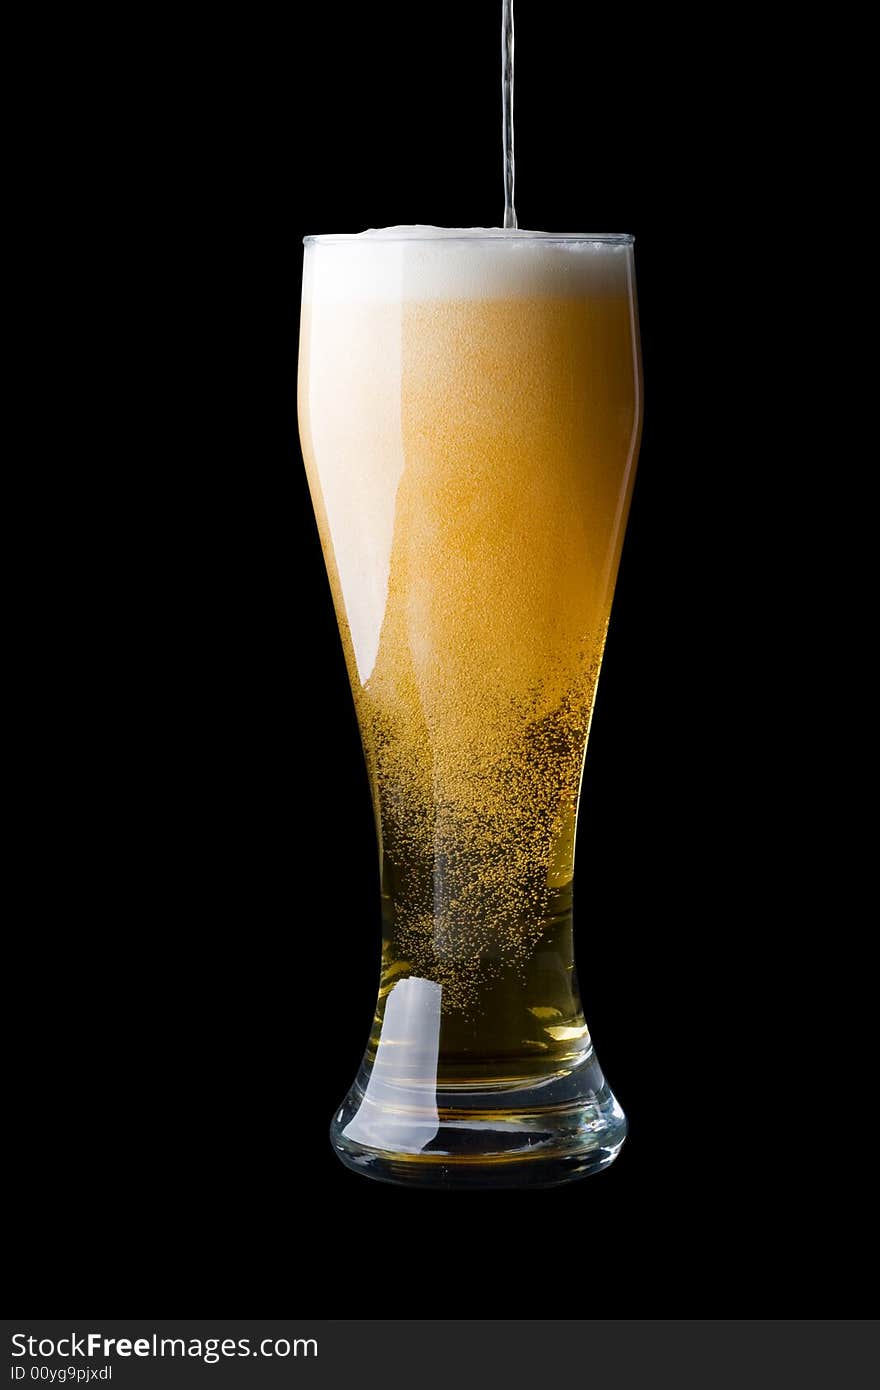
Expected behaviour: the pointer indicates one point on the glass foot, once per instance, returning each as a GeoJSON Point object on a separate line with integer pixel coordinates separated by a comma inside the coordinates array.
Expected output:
{"type": "Point", "coordinates": [502, 1134]}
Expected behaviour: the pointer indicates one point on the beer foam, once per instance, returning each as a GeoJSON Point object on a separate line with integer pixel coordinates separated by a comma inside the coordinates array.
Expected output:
{"type": "Point", "coordinates": [427, 263]}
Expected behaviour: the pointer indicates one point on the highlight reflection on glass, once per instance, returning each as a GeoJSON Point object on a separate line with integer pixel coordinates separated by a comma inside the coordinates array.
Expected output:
{"type": "Point", "coordinates": [470, 415]}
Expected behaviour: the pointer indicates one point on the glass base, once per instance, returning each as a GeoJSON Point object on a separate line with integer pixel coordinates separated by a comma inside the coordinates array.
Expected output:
{"type": "Point", "coordinates": [502, 1134]}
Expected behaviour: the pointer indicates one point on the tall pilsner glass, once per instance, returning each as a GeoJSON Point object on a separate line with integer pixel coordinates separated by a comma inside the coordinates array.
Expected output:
{"type": "Point", "coordinates": [469, 410]}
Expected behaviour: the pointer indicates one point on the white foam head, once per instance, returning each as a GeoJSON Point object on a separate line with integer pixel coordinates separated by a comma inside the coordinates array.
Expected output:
{"type": "Point", "coordinates": [398, 263]}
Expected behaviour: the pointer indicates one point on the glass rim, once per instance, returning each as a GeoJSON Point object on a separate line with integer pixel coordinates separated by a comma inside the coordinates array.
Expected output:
{"type": "Point", "coordinates": [481, 235]}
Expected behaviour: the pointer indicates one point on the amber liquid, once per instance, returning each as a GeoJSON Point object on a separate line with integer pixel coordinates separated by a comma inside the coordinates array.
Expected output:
{"type": "Point", "coordinates": [471, 463]}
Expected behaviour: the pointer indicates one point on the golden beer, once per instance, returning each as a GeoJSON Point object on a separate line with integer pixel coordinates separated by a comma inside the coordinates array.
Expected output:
{"type": "Point", "coordinates": [470, 414]}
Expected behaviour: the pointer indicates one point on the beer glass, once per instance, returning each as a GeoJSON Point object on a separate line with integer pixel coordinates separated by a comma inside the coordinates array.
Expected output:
{"type": "Point", "coordinates": [470, 410]}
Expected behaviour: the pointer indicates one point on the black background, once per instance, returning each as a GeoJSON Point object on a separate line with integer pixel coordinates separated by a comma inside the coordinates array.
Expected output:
{"type": "Point", "coordinates": [198, 979]}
